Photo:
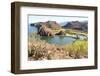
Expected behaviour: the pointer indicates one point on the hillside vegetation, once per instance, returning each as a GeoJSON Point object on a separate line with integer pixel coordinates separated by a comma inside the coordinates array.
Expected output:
{"type": "Point", "coordinates": [42, 50]}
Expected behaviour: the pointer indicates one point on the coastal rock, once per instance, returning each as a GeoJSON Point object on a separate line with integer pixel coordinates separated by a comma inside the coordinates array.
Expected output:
{"type": "Point", "coordinates": [44, 31]}
{"type": "Point", "coordinates": [61, 33]}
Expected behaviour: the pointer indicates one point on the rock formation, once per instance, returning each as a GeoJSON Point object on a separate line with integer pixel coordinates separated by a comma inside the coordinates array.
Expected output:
{"type": "Point", "coordinates": [61, 33]}
{"type": "Point", "coordinates": [45, 28]}
{"type": "Point", "coordinates": [44, 31]}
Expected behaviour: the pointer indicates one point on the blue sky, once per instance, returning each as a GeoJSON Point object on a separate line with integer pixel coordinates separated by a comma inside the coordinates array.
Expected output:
{"type": "Point", "coordinates": [40, 18]}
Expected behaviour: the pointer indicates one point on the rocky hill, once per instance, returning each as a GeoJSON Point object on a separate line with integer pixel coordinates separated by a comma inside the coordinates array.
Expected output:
{"type": "Point", "coordinates": [83, 26]}
{"type": "Point", "coordinates": [50, 24]}
{"type": "Point", "coordinates": [53, 25]}
{"type": "Point", "coordinates": [46, 28]}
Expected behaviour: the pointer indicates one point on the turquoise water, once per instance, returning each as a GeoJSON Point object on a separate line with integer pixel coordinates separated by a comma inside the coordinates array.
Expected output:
{"type": "Point", "coordinates": [59, 40]}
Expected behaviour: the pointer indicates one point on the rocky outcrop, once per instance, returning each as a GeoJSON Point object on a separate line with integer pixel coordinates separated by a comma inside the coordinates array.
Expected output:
{"type": "Point", "coordinates": [44, 31]}
{"type": "Point", "coordinates": [50, 24]}
{"type": "Point", "coordinates": [45, 28]}
{"type": "Point", "coordinates": [61, 33]}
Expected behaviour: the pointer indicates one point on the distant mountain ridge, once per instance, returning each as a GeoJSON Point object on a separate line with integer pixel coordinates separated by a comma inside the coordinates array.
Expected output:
{"type": "Point", "coordinates": [77, 25]}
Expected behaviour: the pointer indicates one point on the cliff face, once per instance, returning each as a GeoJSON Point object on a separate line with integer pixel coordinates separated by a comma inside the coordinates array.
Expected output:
{"type": "Point", "coordinates": [44, 31]}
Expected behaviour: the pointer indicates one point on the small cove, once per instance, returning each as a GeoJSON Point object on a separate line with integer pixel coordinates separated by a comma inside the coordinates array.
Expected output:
{"type": "Point", "coordinates": [58, 40]}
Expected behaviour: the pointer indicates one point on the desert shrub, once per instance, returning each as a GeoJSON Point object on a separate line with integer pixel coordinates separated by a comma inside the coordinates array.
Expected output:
{"type": "Point", "coordinates": [78, 49]}
{"type": "Point", "coordinates": [70, 31]}
{"type": "Point", "coordinates": [39, 49]}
